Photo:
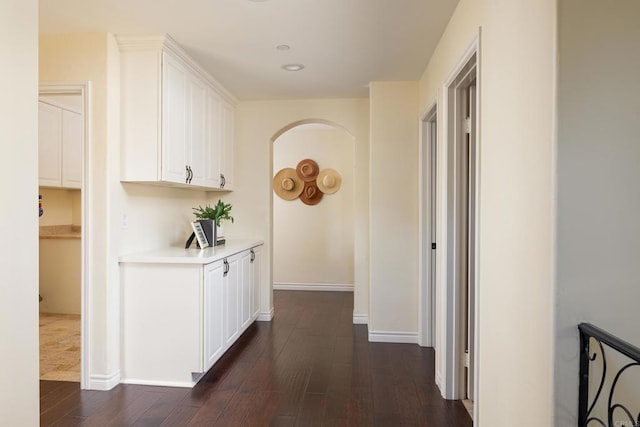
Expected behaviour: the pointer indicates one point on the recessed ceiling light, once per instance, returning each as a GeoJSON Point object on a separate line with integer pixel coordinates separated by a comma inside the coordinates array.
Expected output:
{"type": "Point", "coordinates": [293, 67]}
{"type": "Point", "coordinates": [257, 1]}
{"type": "Point", "coordinates": [283, 47]}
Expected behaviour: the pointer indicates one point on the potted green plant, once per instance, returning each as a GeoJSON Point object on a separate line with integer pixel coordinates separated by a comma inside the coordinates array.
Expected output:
{"type": "Point", "coordinates": [208, 216]}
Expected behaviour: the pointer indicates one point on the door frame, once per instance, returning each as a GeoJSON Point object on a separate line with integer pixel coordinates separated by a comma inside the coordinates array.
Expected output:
{"type": "Point", "coordinates": [452, 383]}
{"type": "Point", "coordinates": [84, 90]}
{"type": "Point", "coordinates": [427, 290]}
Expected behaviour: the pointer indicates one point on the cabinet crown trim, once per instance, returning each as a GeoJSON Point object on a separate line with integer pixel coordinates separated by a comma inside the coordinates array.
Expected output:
{"type": "Point", "coordinates": [164, 42]}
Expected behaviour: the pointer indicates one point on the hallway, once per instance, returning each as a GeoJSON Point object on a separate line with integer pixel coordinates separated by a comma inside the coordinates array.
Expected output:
{"type": "Point", "coordinates": [309, 366]}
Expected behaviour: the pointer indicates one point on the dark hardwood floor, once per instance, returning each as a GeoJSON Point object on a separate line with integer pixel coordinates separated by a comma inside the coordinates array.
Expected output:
{"type": "Point", "coordinates": [309, 366]}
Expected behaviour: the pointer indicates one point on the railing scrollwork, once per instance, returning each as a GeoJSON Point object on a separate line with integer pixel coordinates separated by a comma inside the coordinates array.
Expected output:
{"type": "Point", "coordinates": [618, 414]}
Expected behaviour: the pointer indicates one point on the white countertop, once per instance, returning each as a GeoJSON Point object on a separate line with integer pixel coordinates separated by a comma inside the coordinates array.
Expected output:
{"type": "Point", "coordinates": [180, 255]}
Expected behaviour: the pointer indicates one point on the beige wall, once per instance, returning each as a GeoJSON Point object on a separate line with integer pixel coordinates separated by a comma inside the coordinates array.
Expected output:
{"type": "Point", "coordinates": [257, 123]}
{"type": "Point", "coordinates": [61, 206]}
{"type": "Point", "coordinates": [598, 174]}
{"type": "Point", "coordinates": [60, 272]}
{"type": "Point", "coordinates": [393, 209]}
{"type": "Point", "coordinates": [19, 387]}
{"type": "Point", "coordinates": [516, 166]}
{"type": "Point", "coordinates": [60, 259]}
{"type": "Point", "coordinates": [314, 244]}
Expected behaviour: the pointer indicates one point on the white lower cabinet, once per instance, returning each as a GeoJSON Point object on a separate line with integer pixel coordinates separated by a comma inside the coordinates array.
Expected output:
{"type": "Point", "coordinates": [256, 271]}
{"type": "Point", "coordinates": [178, 319]}
{"type": "Point", "coordinates": [232, 278]}
{"type": "Point", "coordinates": [214, 343]}
{"type": "Point", "coordinates": [245, 303]}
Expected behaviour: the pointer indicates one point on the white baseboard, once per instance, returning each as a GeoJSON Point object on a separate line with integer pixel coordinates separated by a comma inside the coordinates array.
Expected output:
{"type": "Point", "coordinates": [265, 316]}
{"type": "Point", "coordinates": [312, 287]}
{"type": "Point", "coordinates": [393, 337]}
{"type": "Point", "coordinates": [360, 319]}
{"type": "Point", "coordinates": [159, 383]}
{"type": "Point", "coordinates": [104, 382]}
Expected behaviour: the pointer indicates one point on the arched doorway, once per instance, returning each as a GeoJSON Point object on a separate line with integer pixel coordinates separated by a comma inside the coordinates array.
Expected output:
{"type": "Point", "coordinates": [313, 245]}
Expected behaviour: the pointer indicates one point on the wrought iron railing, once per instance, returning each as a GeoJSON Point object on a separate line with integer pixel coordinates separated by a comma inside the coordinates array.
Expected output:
{"type": "Point", "coordinates": [617, 414]}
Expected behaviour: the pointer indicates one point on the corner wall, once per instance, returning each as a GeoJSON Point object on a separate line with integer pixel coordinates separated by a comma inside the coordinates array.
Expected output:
{"type": "Point", "coordinates": [393, 212]}
{"type": "Point", "coordinates": [19, 386]}
{"type": "Point", "coordinates": [516, 195]}
{"type": "Point", "coordinates": [598, 199]}
{"type": "Point", "coordinates": [257, 123]}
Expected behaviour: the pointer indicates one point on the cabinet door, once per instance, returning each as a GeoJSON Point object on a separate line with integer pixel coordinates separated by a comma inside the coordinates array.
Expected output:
{"type": "Point", "coordinates": [197, 120]}
{"type": "Point", "coordinates": [256, 271]}
{"type": "Point", "coordinates": [49, 145]}
{"type": "Point", "coordinates": [213, 140]}
{"type": "Point", "coordinates": [71, 149]}
{"type": "Point", "coordinates": [226, 165]}
{"type": "Point", "coordinates": [214, 343]}
{"type": "Point", "coordinates": [245, 280]}
{"type": "Point", "coordinates": [232, 299]}
{"type": "Point", "coordinates": [174, 121]}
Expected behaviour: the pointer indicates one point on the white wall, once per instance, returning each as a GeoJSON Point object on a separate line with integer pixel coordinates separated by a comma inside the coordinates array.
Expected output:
{"type": "Point", "coordinates": [598, 173]}
{"type": "Point", "coordinates": [393, 211]}
{"type": "Point", "coordinates": [257, 124]}
{"type": "Point", "coordinates": [19, 387]}
{"type": "Point", "coordinates": [314, 244]}
{"type": "Point", "coordinates": [516, 248]}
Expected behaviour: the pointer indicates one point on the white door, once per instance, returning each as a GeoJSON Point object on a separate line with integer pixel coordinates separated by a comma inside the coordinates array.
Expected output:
{"type": "Point", "coordinates": [213, 313]}
{"type": "Point", "coordinates": [471, 241]}
{"type": "Point", "coordinates": [174, 122]}
{"type": "Point", "coordinates": [49, 145]}
{"type": "Point", "coordinates": [433, 211]}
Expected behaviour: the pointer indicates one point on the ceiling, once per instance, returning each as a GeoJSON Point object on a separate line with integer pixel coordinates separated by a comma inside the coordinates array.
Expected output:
{"type": "Point", "coordinates": [343, 44]}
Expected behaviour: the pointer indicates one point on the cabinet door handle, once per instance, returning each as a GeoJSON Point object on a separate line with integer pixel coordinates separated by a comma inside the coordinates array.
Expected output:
{"type": "Point", "coordinates": [253, 256]}
{"type": "Point", "coordinates": [223, 180]}
{"type": "Point", "coordinates": [186, 181]}
{"type": "Point", "coordinates": [225, 269]}
{"type": "Point", "coordinates": [190, 174]}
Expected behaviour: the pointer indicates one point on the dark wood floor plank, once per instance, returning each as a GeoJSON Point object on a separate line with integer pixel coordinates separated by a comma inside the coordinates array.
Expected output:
{"type": "Point", "coordinates": [309, 366]}
{"type": "Point", "coordinates": [180, 416]}
{"type": "Point", "coordinates": [312, 410]}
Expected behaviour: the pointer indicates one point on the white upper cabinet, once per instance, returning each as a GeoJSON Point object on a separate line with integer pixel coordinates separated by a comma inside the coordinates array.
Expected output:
{"type": "Point", "coordinates": [177, 121]}
{"type": "Point", "coordinates": [71, 149]}
{"type": "Point", "coordinates": [226, 159]}
{"type": "Point", "coordinates": [59, 146]}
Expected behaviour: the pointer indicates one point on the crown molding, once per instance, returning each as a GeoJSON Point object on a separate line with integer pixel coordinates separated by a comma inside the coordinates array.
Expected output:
{"type": "Point", "coordinates": [165, 43]}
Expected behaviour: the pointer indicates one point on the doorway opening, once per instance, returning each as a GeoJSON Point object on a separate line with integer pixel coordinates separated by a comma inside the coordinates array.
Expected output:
{"type": "Point", "coordinates": [313, 237]}
{"type": "Point", "coordinates": [313, 240]}
{"type": "Point", "coordinates": [63, 147]}
{"type": "Point", "coordinates": [462, 232]}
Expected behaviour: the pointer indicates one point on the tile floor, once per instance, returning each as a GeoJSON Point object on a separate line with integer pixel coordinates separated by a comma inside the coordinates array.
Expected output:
{"type": "Point", "coordinates": [60, 347]}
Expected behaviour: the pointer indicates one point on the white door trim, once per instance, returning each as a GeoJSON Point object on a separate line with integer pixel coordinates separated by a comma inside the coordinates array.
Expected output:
{"type": "Point", "coordinates": [84, 90]}
{"type": "Point", "coordinates": [451, 384]}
